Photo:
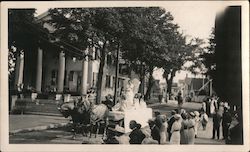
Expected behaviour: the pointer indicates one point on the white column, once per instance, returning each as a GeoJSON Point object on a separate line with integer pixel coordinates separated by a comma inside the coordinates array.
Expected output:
{"type": "Point", "coordinates": [19, 69]}
{"type": "Point", "coordinates": [84, 86]}
{"type": "Point", "coordinates": [39, 70]}
{"type": "Point", "coordinates": [60, 81]}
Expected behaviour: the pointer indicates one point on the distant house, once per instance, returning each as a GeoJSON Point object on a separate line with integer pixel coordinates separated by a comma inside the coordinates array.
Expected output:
{"type": "Point", "coordinates": [195, 87]}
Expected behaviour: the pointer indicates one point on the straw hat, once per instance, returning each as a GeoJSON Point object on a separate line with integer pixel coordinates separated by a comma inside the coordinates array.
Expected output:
{"type": "Point", "coordinates": [196, 113]}
{"type": "Point", "coordinates": [177, 116]}
{"type": "Point", "coordinates": [192, 114]}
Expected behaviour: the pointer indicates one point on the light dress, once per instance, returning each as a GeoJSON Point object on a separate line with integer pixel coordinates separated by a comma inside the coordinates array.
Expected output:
{"type": "Point", "coordinates": [191, 133]}
{"type": "Point", "coordinates": [175, 130]}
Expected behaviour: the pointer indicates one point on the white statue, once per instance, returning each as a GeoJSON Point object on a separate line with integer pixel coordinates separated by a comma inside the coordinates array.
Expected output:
{"type": "Point", "coordinates": [129, 93]}
{"type": "Point", "coordinates": [128, 100]}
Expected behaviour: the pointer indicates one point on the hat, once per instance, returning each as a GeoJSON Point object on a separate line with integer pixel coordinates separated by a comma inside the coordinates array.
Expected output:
{"type": "Point", "coordinates": [192, 114]}
{"type": "Point", "coordinates": [196, 113]}
{"type": "Point", "coordinates": [151, 121]}
{"type": "Point", "coordinates": [177, 116]}
{"type": "Point", "coordinates": [173, 112]}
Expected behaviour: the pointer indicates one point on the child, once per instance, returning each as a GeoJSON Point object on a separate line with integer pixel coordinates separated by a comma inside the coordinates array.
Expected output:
{"type": "Point", "coordinates": [204, 119]}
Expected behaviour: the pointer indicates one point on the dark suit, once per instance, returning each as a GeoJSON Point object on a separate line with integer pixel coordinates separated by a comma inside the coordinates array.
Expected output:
{"type": "Point", "coordinates": [226, 120]}
{"type": "Point", "coordinates": [216, 124]}
{"type": "Point", "coordinates": [136, 136]}
{"type": "Point", "coordinates": [155, 133]}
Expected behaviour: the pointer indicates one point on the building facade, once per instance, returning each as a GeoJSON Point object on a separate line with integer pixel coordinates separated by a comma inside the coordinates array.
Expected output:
{"type": "Point", "coordinates": [50, 69]}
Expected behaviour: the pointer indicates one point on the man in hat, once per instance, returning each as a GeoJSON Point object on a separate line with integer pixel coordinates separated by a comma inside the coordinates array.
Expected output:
{"type": "Point", "coordinates": [226, 120]}
{"type": "Point", "coordinates": [216, 124]}
{"type": "Point", "coordinates": [155, 130]}
{"type": "Point", "coordinates": [136, 136]}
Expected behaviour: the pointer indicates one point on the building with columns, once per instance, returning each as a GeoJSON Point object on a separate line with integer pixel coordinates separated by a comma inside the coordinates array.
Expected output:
{"type": "Point", "coordinates": [49, 69]}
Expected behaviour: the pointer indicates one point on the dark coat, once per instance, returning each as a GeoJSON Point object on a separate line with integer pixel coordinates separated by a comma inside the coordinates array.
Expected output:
{"type": "Point", "coordinates": [170, 123]}
{"type": "Point", "coordinates": [216, 120]}
{"type": "Point", "coordinates": [235, 134]}
{"type": "Point", "coordinates": [136, 136]}
{"type": "Point", "coordinates": [155, 133]}
{"type": "Point", "coordinates": [226, 118]}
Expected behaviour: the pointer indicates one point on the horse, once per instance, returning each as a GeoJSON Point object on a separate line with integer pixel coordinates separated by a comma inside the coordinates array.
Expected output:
{"type": "Point", "coordinates": [80, 119]}
{"type": "Point", "coordinates": [98, 115]}
{"type": "Point", "coordinates": [85, 113]}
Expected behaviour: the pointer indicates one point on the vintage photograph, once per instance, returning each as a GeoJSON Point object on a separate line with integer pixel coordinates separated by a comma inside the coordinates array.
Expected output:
{"type": "Point", "coordinates": [162, 74]}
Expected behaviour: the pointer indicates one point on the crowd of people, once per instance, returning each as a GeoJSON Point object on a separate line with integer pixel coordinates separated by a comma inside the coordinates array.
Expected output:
{"type": "Point", "coordinates": [225, 117]}
{"type": "Point", "coordinates": [181, 127]}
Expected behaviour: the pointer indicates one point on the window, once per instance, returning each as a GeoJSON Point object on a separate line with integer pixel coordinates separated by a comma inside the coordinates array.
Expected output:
{"type": "Point", "coordinates": [71, 75]}
{"type": "Point", "coordinates": [113, 82]}
{"type": "Point", "coordinates": [108, 79]}
{"type": "Point", "coordinates": [123, 69]}
{"type": "Point", "coordinates": [109, 59]}
{"type": "Point", "coordinates": [54, 74]}
{"type": "Point", "coordinates": [95, 77]}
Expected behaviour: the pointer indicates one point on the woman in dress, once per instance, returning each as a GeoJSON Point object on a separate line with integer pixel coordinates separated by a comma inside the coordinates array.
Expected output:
{"type": "Point", "coordinates": [175, 130]}
{"type": "Point", "coordinates": [184, 129]}
{"type": "Point", "coordinates": [163, 130]}
{"type": "Point", "coordinates": [191, 123]}
{"type": "Point", "coordinates": [197, 122]}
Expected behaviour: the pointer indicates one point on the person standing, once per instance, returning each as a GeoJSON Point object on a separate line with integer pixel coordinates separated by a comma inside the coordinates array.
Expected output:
{"type": "Point", "coordinates": [216, 124]}
{"type": "Point", "coordinates": [179, 99]}
{"type": "Point", "coordinates": [204, 120]}
{"type": "Point", "coordinates": [136, 136]}
{"type": "Point", "coordinates": [203, 106]}
{"type": "Point", "coordinates": [184, 129]}
{"type": "Point", "coordinates": [226, 120]}
{"type": "Point", "coordinates": [197, 121]}
{"type": "Point", "coordinates": [160, 96]}
{"type": "Point", "coordinates": [155, 130]}
{"type": "Point", "coordinates": [235, 133]}
{"type": "Point", "coordinates": [175, 130]}
{"type": "Point", "coordinates": [208, 100]}
{"type": "Point", "coordinates": [163, 130]}
{"type": "Point", "coordinates": [191, 123]}
{"type": "Point", "coordinates": [170, 123]}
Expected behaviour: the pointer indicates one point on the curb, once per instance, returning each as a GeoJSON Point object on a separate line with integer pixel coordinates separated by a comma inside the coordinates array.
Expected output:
{"type": "Point", "coordinates": [38, 128]}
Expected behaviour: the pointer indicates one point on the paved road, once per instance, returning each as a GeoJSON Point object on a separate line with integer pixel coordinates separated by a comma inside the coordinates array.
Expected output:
{"type": "Point", "coordinates": [18, 122]}
{"type": "Point", "coordinates": [63, 135]}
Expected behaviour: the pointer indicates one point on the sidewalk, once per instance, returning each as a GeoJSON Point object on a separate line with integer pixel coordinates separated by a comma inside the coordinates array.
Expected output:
{"type": "Point", "coordinates": [174, 103]}
{"type": "Point", "coordinates": [204, 136]}
{"type": "Point", "coordinates": [24, 123]}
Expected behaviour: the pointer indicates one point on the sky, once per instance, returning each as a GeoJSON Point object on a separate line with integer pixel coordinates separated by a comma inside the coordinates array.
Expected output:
{"type": "Point", "coordinates": [196, 19]}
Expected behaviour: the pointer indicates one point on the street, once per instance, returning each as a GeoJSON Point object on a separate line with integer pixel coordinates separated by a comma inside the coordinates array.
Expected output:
{"type": "Point", "coordinates": [63, 135]}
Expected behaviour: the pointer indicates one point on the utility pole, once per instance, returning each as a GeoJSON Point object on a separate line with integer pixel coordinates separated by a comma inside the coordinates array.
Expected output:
{"type": "Point", "coordinates": [116, 72]}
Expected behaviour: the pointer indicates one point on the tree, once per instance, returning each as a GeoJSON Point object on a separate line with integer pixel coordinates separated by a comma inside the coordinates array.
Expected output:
{"type": "Point", "coordinates": [145, 42]}
{"type": "Point", "coordinates": [208, 56]}
{"type": "Point", "coordinates": [89, 27]}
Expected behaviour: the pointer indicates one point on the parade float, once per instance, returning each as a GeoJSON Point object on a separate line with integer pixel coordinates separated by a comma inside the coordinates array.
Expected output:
{"type": "Point", "coordinates": [130, 106]}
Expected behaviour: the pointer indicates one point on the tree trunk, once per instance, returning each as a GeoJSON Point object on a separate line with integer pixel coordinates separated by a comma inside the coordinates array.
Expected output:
{"type": "Point", "coordinates": [166, 93]}
{"type": "Point", "coordinates": [100, 74]}
{"type": "Point", "coordinates": [142, 75]}
{"type": "Point", "coordinates": [169, 83]}
{"type": "Point", "coordinates": [150, 84]}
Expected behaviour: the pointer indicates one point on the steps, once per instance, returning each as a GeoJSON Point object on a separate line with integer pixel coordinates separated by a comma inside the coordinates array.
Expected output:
{"type": "Point", "coordinates": [38, 106]}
